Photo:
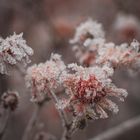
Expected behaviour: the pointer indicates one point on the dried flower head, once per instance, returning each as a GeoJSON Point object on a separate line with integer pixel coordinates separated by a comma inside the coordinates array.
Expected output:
{"type": "Point", "coordinates": [13, 51]}
{"type": "Point", "coordinates": [95, 51]}
{"type": "Point", "coordinates": [88, 37]}
{"type": "Point", "coordinates": [10, 100]}
{"type": "Point", "coordinates": [89, 90]}
{"type": "Point", "coordinates": [39, 77]}
{"type": "Point", "coordinates": [88, 30]}
{"type": "Point", "coordinates": [123, 55]}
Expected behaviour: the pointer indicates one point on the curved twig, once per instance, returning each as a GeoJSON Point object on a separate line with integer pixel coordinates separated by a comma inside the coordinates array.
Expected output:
{"type": "Point", "coordinates": [31, 124]}
{"type": "Point", "coordinates": [119, 130]}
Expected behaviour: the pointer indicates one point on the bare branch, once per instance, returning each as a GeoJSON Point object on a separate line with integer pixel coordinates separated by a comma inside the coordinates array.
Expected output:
{"type": "Point", "coordinates": [119, 130]}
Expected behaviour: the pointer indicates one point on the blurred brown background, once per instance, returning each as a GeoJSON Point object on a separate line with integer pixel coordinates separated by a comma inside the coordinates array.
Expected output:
{"type": "Point", "coordinates": [47, 26]}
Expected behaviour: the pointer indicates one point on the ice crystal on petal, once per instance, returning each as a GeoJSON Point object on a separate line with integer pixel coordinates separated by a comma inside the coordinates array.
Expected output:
{"type": "Point", "coordinates": [13, 51]}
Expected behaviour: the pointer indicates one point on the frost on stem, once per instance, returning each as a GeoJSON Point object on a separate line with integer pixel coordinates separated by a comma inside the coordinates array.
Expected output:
{"type": "Point", "coordinates": [9, 100]}
{"type": "Point", "coordinates": [89, 91]}
{"type": "Point", "coordinates": [40, 76]}
{"type": "Point", "coordinates": [13, 51]}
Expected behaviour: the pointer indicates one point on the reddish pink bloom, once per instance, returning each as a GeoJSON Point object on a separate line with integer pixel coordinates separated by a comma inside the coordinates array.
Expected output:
{"type": "Point", "coordinates": [89, 92]}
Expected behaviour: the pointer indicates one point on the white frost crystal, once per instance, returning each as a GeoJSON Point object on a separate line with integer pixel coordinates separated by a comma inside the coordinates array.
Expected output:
{"type": "Point", "coordinates": [13, 50]}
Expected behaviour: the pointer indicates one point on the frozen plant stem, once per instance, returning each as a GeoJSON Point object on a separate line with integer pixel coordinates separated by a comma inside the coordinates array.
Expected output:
{"type": "Point", "coordinates": [67, 127]}
{"type": "Point", "coordinates": [61, 112]}
{"type": "Point", "coordinates": [32, 122]}
{"type": "Point", "coordinates": [67, 134]}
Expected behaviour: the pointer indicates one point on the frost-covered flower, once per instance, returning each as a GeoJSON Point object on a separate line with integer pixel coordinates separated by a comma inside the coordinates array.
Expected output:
{"type": "Point", "coordinates": [88, 30]}
{"type": "Point", "coordinates": [94, 51]}
{"type": "Point", "coordinates": [123, 55]}
{"type": "Point", "coordinates": [88, 38]}
{"type": "Point", "coordinates": [89, 89]}
{"type": "Point", "coordinates": [13, 51]}
{"type": "Point", "coordinates": [40, 76]}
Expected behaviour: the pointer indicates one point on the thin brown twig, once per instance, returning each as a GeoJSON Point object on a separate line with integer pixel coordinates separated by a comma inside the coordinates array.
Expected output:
{"type": "Point", "coordinates": [119, 130]}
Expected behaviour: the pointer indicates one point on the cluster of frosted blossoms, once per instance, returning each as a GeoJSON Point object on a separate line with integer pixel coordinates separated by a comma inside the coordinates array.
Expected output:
{"type": "Point", "coordinates": [13, 51]}
{"type": "Point", "coordinates": [95, 50]}
{"type": "Point", "coordinates": [87, 89]}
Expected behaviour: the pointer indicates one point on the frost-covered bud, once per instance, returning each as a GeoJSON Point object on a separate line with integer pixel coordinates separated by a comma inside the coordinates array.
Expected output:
{"type": "Point", "coordinates": [13, 51]}
{"type": "Point", "coordinates": [90, 90]}
{"type": "Point", "coordinates": [127, 26]}
{"type": "Point", "coordinates": [10, 100]}
{"type": "Point", "coordinates": [40, 76]}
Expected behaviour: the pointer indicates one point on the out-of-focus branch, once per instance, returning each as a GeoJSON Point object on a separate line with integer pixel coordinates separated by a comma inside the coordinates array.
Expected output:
{"type": "Point", "coordinates": [31, 124]}
{"type": "Point", "coordinates": [119, 130]}
{"type": "Point", "coordinates": [4, 123]}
